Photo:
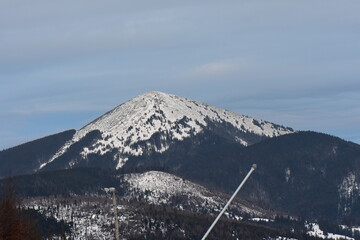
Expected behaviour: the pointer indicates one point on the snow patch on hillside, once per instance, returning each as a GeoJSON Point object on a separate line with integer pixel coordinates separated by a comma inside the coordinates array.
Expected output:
{"type": "Point", "coordinates": [60, 152]}
{"type": "Point", "coordinates": [349, 186]}
{"type": "Point", "coordinates": [164, 188]}
{"type": "Point", "coordinates": [89, 220]}
{"type": "Point", "coordinates": [315, 231]}
{"type": "Point", "coordinates": [261, 220]}
{"type": "Point", "coordinates": [349, 191]}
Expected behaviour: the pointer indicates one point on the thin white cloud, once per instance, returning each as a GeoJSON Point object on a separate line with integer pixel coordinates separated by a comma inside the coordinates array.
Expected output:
{"type": "Point", "coordinates": [216, 69]}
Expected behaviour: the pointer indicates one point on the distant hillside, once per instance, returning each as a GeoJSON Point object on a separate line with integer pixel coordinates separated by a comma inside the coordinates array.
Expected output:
{"type": "Point", "coordinates": [307, 174]}
{"type": "Point", "coordinates": [26, 158]}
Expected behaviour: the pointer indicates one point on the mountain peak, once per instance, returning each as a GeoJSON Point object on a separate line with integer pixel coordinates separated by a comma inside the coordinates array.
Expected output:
{"type": "Point", "coordinates": [153, 98]}
{"type": "Point", "coordinates": [154, 94]}
{"type": "Point", "coordinates": [131, 128]}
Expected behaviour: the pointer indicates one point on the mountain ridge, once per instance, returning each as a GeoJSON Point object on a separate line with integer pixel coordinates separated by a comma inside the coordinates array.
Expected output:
{"type": "Point", "coordinates": [298, 173]}
{"type": "Point", "coordinates": [134, 127]}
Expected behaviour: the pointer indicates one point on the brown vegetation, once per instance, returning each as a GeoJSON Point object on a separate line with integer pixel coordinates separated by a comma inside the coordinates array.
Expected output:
{"type": "Point", "coordinates": [13, 225]}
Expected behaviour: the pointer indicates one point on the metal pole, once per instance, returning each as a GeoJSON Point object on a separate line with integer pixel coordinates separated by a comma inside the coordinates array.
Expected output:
{"type": "Point", "coordinates": [116, 217]}
{"type": "Point", "coordinates": [228, 203]}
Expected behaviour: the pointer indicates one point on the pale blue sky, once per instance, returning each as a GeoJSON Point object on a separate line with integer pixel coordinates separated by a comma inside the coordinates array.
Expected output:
{"type": "Point", "coordinates": [64, 63]}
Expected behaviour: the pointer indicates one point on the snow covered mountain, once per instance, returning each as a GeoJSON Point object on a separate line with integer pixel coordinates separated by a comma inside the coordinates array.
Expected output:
{"type": "Point", "coordinates": [152, 122]}
{"type": "Point", "coordinates": [173, 153]}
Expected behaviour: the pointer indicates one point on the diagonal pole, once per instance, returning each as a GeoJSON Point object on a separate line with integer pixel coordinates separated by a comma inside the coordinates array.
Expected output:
{"type": "Point", "coordinates": [253, 167]}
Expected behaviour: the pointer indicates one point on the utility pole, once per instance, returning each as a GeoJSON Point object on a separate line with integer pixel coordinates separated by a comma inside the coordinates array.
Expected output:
{"type": "Point", "coordinates": [113, 192]}
{"type": "Point", "coordinates": [228, 203]}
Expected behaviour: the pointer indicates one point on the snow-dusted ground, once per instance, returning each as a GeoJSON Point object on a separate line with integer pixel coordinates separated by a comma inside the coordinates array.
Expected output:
{"type": "Point", "coordinates": [161, 188]}
{"type": "Point", "coordinates": [353, 229]}
{"type": "Point", "coordinates": [261, 220]}
{"type": "Point", "coordinates": [91, 216]}
{"type": "Point", "coordinates": [315, 231]}
{"type": "Point", "coordinates": [285, 238]}
{"type": "Point", "coordinates": [349, 192]}
{"type": "Point", "coordinates": [176, 118]}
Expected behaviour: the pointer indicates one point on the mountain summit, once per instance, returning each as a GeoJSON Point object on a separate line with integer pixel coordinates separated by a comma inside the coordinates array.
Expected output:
{"type": "Point", "coordinates": [152, 122]}
{"type": "Point", "coordinates": [160, 112]}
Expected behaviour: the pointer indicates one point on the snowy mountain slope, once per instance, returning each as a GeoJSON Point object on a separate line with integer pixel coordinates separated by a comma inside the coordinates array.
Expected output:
{"type": "Point", "coordinates": [158, 188]}
{"type": "Point", "coordinates": [153, 121]}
